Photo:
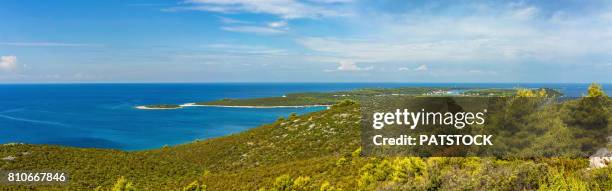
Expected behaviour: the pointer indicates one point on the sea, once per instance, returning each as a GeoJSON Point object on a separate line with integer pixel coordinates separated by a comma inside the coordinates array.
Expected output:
{"type": "Point", "coordinates": [103, 115]}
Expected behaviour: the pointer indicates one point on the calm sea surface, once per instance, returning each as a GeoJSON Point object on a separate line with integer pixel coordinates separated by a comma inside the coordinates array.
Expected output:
{"type": "Point", "coordinates": [103, 115]}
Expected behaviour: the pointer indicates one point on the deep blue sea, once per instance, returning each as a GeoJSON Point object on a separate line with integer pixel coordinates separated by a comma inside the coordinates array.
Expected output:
{"type": "Point", "coordinates": [103, 115]}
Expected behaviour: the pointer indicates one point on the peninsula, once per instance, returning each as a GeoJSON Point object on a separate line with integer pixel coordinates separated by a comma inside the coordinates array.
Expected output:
{"type": "Point", "coordinates": [326, 99]}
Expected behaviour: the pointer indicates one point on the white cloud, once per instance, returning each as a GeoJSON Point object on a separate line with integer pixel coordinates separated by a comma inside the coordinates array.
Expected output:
{"type": "Point", "coordinates": [270, 28]}
{"type": "Point", "coordinates": [346, 65]}
{"type": "Point", "coordinates": [253, 29]}
{"type": "Point", "coordinates": [419, 68]}
{"type": "Point", "coordinates": [8, 63]}
{"type": "Point", "coordinates": [287, 9]}
{"type": "Point", "coordinates": [514, 34]}
{"type": "Point", "coordinates": [526, 12]}
{"type": "Point", "coordinates": [277, 24]}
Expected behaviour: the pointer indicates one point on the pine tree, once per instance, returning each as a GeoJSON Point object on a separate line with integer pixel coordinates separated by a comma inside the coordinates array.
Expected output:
{"type": "Point", "coordinates": [595, 90]}
{"type": "Point", "coordinates": [589, 116]}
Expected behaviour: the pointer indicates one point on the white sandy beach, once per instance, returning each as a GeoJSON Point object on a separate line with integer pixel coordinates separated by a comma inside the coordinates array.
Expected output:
{"type": "Point", "coordinates": [152, 108]}
{"type": "Point", "coordinates": [232, 106]}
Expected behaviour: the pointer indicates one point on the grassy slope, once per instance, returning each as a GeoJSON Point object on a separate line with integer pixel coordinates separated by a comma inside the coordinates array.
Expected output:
{"type": "Point", "coordinates": [311, 143]}
{"type": "Point", "coordinates": [88, 168]}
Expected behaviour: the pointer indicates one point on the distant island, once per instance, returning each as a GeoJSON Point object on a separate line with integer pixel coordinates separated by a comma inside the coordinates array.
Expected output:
{"type": "Point", "coordinates": [326, 99]}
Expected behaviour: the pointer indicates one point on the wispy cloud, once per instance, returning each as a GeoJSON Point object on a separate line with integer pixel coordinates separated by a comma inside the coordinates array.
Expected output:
{"type": "Point", "coordinates": [298, 39]}
{"type": "Point", "coordinates": [271, 28]}
{"type": "Point", "coordinates": [253, 29]}
{"type": "Point", "coordinates": [287, 9]}
{"type": "Point", "coordinates": [516, 33]}
{"type": "Point", "coordinates": [283, 9]}
{"type": "Point", "coordinates": [404, 69]}
{"type": "Point", "coordinates": [419, 68]}
{"type": "Point", "coordinates": [245, 49]}
{"type": "Point", "coordinates": [526, 12]}
{"type": "Point", "coordinates": [54, 44]}
{"type": "Point", "coordinates": [347, 65]}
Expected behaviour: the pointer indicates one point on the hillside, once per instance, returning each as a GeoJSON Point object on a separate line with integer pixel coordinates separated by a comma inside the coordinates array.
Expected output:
{"type": "Point", "coordinates": [315, 151]}
{"type": "Point", "coordinates": [319, 136]}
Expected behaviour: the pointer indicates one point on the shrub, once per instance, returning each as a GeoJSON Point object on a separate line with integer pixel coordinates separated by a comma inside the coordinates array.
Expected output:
{"type": "Point", "coordinates": [302, 183]}
{"type": "Point", "coordinates": [123, 184]}
{"type": "Point", "coordinates": [344, 103]}
{"type": "Point", "coordinates": [356, 153]}
{"type": "Point", "coordinates": [326, 186]}
{"type": "Point", "coordinates": [195, 186]}
{"type": "Point", "coordinates": [283, 183]}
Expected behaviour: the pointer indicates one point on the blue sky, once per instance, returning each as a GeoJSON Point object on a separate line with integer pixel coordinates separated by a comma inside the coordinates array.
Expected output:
{"type": "Point", "coordinates": [305, 41]}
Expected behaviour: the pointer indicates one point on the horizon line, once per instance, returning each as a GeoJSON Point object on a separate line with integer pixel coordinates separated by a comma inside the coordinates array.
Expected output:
{"type": "Point", "coordinates": [274, 82]}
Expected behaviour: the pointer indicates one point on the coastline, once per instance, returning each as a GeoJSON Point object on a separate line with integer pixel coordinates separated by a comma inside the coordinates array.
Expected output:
{"type": "Point", "coordinates": [142, 107]}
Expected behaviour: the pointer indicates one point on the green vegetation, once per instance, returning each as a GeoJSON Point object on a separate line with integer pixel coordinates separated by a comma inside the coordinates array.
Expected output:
{"type": "Point", "coordinates": [298, 99]}
{"type": "Point", "coordinates": [595, 91]}
{"type": "Point", "coordinates": [195, 186]}
{"type": "Point", "coordinates": [123, 185]}
{"type": "Point", "coordinates": [489, 92]}
{"type": "Point", "coordinates": [317, 151]}
{"type": "Point", "coordinates": [510, 92]}
{"type": "Point", "coordinates": [306, 99]}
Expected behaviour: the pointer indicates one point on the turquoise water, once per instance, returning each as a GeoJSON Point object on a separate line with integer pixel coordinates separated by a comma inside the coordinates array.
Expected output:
{"type": "Point", "coordinates": [103, 115]}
